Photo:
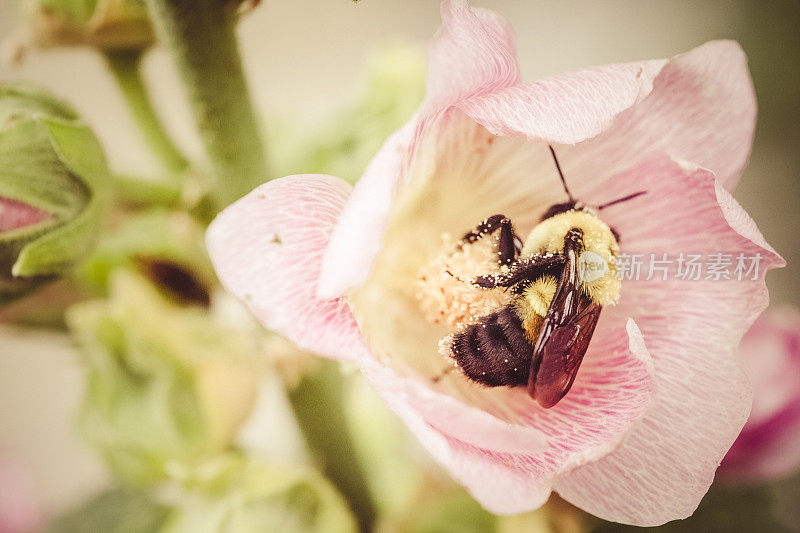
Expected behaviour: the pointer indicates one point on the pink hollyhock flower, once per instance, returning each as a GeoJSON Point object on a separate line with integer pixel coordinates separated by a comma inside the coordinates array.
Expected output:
{"type": "Point", "coordinates": [660, 396]}
{"type": "Point", "coordinates": [769, 445]}
{"type": "Point", "coordinates": [19, 512]}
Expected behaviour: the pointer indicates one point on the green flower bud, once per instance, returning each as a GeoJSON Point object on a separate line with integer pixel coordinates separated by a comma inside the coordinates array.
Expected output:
{"type": "Point", "coordinates": [166, 384]}
{"type": "Point", "coordinates": [104, 24]}
{"type": "Point", "coordinates": [232, 493]}
{"type": "Point", "coordinates": [115, 510]}
{"type": "Point", "coordinates": [53, 188]}
{"type": "Point", "coordinates": [110, 25]}
{"type": "Point", "coordinates": [143, 238]}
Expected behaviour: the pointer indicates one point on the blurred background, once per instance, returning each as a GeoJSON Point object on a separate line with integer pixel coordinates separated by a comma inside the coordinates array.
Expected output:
{"type": "Point", "coordinates": [305, 59]}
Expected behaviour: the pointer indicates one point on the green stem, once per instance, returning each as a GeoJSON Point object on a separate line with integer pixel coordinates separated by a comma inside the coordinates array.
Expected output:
{"type": "Point", "coordinates": [125, 67]}
{"type": "Point", "coordinates": [318, 403]}
{"type": "Point", "coordinates": [200, 35]}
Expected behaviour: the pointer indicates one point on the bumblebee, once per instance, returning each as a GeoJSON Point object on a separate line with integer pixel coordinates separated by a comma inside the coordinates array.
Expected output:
{"type": "Point", "coordinates": [559, 279]}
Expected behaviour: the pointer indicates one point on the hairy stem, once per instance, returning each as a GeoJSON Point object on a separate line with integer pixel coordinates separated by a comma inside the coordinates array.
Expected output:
{"type": "Point", "coordinates": [318, 403]}
{"type": "Point", "coordinates": [200, 35]}
{"type": "Point", "coordinates": [125, 67]}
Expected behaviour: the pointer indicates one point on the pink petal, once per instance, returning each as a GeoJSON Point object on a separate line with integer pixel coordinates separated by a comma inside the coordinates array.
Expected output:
{"type": "Point", "coordinates": [485, 477]}
{"type": "Point", "coordinates": [769, 446]}
{"type": "Point", "coordinates": [568, 108]}
{"type": "Point", "coordinates": [267, 249]}
{"type": "Point", "coordinates": [472, 54]}
{"type": "Point", "coordinates": [699, 106]}
{"type": "Point", "coordinates": [15, 215]}
{"type": "Point", "coordinates": [702, 108]}
{"type": "Point", "coordinates": [692, 329]}
{"type": "Point", "coordinates": [356, 240]}
{"type": "Point", "coordinates": [509, 467]}
{"type": "Point", "coordinates": [478, 174]}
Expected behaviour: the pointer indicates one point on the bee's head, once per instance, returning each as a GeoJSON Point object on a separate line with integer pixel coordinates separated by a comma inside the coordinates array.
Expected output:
{"type": "Point", "coordinates": [572, 205]}
{"type": "Point", "coordinates": [557, 209]}
{"type": "Point", "coordinates": [600, 243]}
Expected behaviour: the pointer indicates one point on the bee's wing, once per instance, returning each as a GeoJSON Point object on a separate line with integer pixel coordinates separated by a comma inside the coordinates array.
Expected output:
{"type": "Point", "coordinates": [564, 335]}
{"type": "Point", "coordinates": [561, 356]}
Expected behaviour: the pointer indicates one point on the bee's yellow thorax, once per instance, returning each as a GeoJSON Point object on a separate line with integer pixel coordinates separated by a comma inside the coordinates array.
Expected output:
{"type": "Point", "coordinates": [599, 267]}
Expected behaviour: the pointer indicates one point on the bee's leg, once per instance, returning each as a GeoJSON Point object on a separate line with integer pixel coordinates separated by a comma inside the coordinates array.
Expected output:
{"type": "Point", "coordinates": [437, 378]}
{"type": "Point", "coordinates": [615, 233]}
{"type": "Point", "coordinates": [487, 227]}
{"type": "Point", "coordinates": [522, 272]}
{"type": "Point", "coordinates": [508, 246]}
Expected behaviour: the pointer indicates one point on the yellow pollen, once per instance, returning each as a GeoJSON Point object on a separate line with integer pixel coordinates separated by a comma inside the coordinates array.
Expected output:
{"type": "Point", "coordinates": [445, 288]}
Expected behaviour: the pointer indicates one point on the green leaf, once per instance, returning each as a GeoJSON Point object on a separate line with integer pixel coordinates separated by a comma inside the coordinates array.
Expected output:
{"type": "Point", "coordinates": [20, 101]}
{"type": "Point", "coordinates": [455, 512]}
{"type": "Point", "coordinates": [166, 384]}
{"type": "Point", "coordinates": [76, 10]}
{"type": "Point", "coordinates": [114, 511]}
{"type": "Point", "coordinates": [148, 191]}
{"type": "Point", "coordinates": [156, 233]}
{"type": "Point", "coordinates": [232, 493]}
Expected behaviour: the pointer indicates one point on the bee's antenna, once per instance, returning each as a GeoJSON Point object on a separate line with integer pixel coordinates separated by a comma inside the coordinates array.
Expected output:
{"type": "Point", "coordinates": [620, 200]}
{"type": "Point", "coordinates": [561, 174]}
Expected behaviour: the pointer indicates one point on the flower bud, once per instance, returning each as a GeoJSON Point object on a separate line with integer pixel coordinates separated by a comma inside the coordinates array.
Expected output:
{"type": "Point", "coordinates": [166, 384]}
{"type": "Point", "coordinates": [231, 493]}
{"type": "Point", "coordinates": [110, 25]}
{"type": "Point", "coordinates": [113, 509]}
{"type": "Point", "coordinates": [53, 188]}
{"type": "Point", "coordinates": [104, 24]}
{"type": "Point", "coordinates": [768, 448]}
{"type": "Point", "coordinates": [144, 241]}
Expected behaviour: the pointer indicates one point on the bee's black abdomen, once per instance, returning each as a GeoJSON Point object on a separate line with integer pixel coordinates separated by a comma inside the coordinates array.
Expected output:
{"type": "Point", "coordinates": [494, 351]}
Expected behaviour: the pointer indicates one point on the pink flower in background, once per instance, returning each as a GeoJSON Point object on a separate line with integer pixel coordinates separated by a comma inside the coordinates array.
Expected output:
{"type": "Point", "coordinates": [660, 396]}
{"type": "Point", "coordinates": [769, 446]}
{"type": "Point", "coordinates": [15, 215]}
{"type": "Point", "coordinates": [19, 512]}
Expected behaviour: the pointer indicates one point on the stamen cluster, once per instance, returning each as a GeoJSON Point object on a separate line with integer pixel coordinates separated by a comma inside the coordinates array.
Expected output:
{"type": "Point", "coordinates": [445, 288]}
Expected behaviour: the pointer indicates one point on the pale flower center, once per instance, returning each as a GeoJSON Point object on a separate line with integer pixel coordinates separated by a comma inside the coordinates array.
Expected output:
{"type": "Point", "coordinates": [445, 289]}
